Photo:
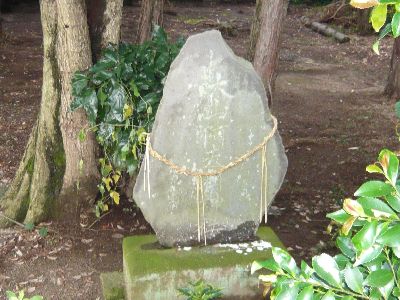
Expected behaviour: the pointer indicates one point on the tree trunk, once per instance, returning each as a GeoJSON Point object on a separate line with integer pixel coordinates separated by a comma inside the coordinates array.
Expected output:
{"type": "Point", "coordinates": [74, 54]}
{"type": "Point", "coordinates": [104, 18]}
{"type": "Point", "coordinates": [31, 196]}
{"type": "Point", "coordinates": [363, 25]}
{"type": "Point", "coordinates": [264, 39]}
{"type": "Point", "coordinates": [50, 180]}
{"type": "Point", "coordinates": [151, 13]}
{"type": "Point", "coordinates": [1, 22]}
{"type": "Point", "coordinates": [392, 88]}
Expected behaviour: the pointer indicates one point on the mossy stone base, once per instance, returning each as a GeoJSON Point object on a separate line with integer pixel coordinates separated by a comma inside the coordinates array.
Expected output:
{"type": "Point", "coordinates": [154, 273]}
{"type": "Point", "coordinates": [113, 285]}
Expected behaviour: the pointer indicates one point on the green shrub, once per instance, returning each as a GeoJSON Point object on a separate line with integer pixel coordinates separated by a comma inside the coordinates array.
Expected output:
{"type": "Point", "coordinates": [200, 291]}
{"type": "Point", "coordinates": [20, 295]}
{"type": "Point", "coordinates": [121, 94]}
{"type": "Point", "coordinates": [368, 265]}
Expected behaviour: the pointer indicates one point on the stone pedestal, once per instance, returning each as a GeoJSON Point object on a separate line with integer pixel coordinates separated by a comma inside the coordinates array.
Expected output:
{"type": "Point", "coordinates": [154, 273]}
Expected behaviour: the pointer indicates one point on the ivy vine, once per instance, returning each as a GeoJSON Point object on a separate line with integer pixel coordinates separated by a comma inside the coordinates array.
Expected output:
{"type": "Point", "coordinates": [120, 95]}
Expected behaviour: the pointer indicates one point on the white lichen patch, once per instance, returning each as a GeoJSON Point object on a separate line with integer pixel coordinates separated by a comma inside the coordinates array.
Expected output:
{"type": "Point", "coordinates": [246, 248]}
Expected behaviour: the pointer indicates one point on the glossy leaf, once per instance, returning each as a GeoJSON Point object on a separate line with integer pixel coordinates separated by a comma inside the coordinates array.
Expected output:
{"type": "Point", "coordinates": [390, 237]}
{"type": "Point", "coordinates": [373, 188]}
{"type": "Point", "coordinates": [306, 294]}
{"type": "Point", "coordinates": [365, 238]}
{"type": "Point", "coordinates": [284, 260]}
{"type": "Point", "coordinates": [378, 16]}
{"type": "Point", "coordinates": [326, 268]}
{"type": "Point", "coordinates": [396, 25]}
{"type": "Point", "coordinates": [379, 278]}
{"type": "Point", "coordinates": [354, 279]}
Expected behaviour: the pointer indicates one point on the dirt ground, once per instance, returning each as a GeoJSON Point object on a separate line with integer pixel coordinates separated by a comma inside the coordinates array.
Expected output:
{"type": "Point", "coordinates": [332, 116]}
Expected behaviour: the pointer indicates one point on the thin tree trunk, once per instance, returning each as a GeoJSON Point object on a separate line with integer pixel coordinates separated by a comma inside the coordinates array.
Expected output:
{"type": "Point", "coordinates": [47, 180]}
{"type": "Point", "coordinates": [74, 54]}
{"type": "Point", "coordinates": [31, 196]}
{"type": "Point", "coordinates": [265, 38]}
{"type": "Point", "coordinates": [104, 18]}
{"type": "Point", "coordinates": [393, 84]}
{"type": "Point", "coordinates": [255, 31]}
{"type": "Point", "coordinates": [1, 22]}
{"type": "Point", "coordinates": [363, 25]}
{"type": "Point", "coordinates": [151, 13]}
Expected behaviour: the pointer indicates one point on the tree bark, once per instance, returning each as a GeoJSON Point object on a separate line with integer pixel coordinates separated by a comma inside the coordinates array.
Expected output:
{"type": "Point", "coordinates": [363, 25]}
{"type": "Point", "coordinates": [46, 183]}
{"type": "Point", "coordinates": [104, 19]}
{"type": "Point", "coordinates": [1, 22]}
{"type": "Point", "coordinates": [392, 88]}
{"type": "Point", "coordinates": [74, 54]}
{"type": "Point", "coordinates": [265, 37]}
{"type": "Point", "coordinates": [31, 196]}
{"type": "Point", "coordinates": [151, 13]}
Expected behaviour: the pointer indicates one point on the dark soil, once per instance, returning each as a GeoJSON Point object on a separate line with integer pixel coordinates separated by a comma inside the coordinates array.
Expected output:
{"type": "Point", "coordinates": [332, 116]}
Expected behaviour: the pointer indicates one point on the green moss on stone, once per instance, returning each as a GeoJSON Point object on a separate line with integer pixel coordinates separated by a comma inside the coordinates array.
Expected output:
{"type": "Point", "coordinates": [152, 272]}
{"type": "Point", "coordinates": [113, 285]}
{"type": "Point", "coordinates": [142, 255]}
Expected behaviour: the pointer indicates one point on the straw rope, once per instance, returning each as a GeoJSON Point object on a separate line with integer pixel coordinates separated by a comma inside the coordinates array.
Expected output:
{"type": "Point", "coordinates": [199, 175]}
{"type": "Point", "coordinates": [187, 172]}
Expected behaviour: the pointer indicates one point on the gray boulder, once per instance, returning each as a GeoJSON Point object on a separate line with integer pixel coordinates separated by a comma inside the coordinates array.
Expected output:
{"type": "Point", "coordinates": [214, 109]}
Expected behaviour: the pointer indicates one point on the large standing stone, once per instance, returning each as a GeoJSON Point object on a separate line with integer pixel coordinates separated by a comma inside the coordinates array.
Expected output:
{"type": "Point", "coordinates": [214, 109]}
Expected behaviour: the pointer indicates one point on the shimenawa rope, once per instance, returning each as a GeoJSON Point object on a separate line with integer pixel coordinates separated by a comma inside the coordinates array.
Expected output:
{"type": "Point", "coordinates": [199, 175]}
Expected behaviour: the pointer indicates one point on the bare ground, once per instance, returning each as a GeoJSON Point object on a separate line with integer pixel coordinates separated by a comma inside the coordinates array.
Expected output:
{"type": "Point", "coordinates": [333, 120]}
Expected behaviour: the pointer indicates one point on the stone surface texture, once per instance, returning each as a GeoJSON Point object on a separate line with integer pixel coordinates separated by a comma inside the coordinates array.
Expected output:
{"type": "Point", "coordinates": [151, 272]}
{"type": "Point", "coordinates": [214, 109]}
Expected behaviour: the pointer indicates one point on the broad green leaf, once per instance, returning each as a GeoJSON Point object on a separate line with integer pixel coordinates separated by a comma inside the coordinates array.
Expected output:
{"type": "Point", "coordinates": [385, 31]}
{"type": "Point", "coordinates": [396, 24]}
{"type": "Point", "coordinates": [306, 294]}
{"type": "Point", "coordinates": [390, 237]}
{"type": "Point", "coordinates": [394, 202]}
{"type": "Point", "coordinates": [389, 162]}
{"type": "Point", "coordinates": [378, 16]}
{"type": "Point", "coordinates": [342, 261]}
{"type": "Point", "coordinates": [354, 279]}
{"type": "Point", "coordinates": [306, 270]}
{"type": "Point", "coordinates": [365, 238]}
{"type": "Point", "coordinates": [284, 260]}
{"type": "Point", "coordinates": [368, 255]}
{"type": "Point", "coordinates": [374, 169]}
{"type": "Point", "coordinates": [346, 246]}
{"type": "Point", "coordinates": [329, 296]}
{"type": "Point", "coordinates": [339, 216]}
{"type": "Point", "coordinates": [387, 289]}
{"type": "Point", "coordinates": [37, 298]}
{"type": "Point", "coordinates": [373, 188]}
{"type": "Point", "coordinates": [326, 268]}
{"type": "Point", "coordinates": [379, 278]}
{"type": "Point", "coordinates": [288, 294]}
{"type": "Point", "coordinates": [370, 205]}
{"type": "Point", "coordinates": [268, 264]}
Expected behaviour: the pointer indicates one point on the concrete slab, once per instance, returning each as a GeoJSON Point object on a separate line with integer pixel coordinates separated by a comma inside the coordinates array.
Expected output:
{"type": "Point", "coordinates": [154, 273]}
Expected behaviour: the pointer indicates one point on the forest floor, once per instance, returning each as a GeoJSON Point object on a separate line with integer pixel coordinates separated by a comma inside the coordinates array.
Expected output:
{"type": "Point", "coordinates": [332, 116]}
